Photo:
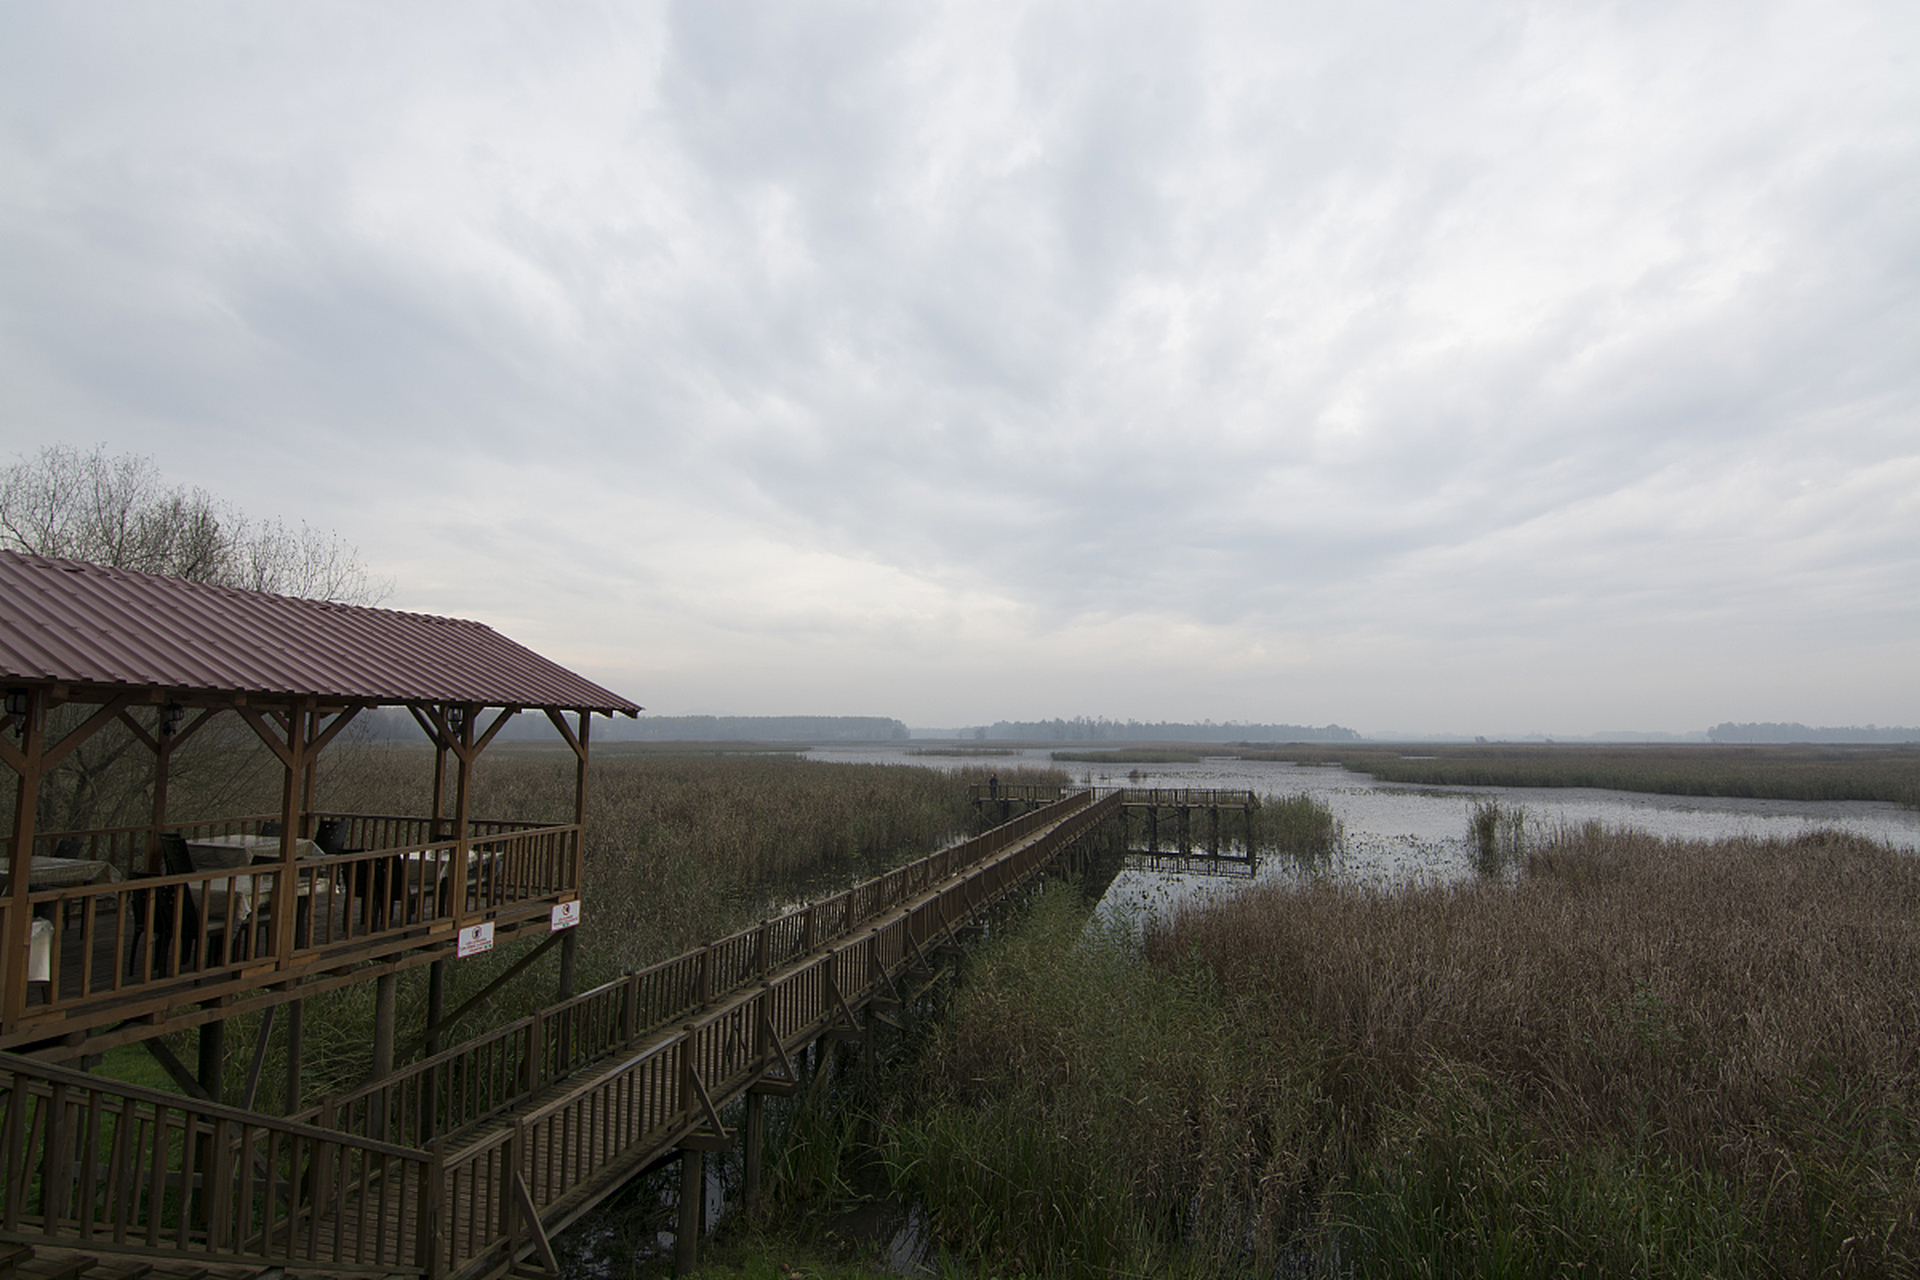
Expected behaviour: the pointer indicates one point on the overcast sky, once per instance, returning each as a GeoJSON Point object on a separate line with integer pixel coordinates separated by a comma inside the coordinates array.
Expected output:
{"type": "Point", "coordinates": [1425, 366]}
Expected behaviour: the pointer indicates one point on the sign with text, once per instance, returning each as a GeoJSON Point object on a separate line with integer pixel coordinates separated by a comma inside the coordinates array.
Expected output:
{"type": "Point", "coordinates": [475, 939]}
{"type": "Point", "coordinates": [566, 914]}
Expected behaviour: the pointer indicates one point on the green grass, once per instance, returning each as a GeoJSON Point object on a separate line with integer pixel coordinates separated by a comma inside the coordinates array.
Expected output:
{"type": "Point", "coordinates": [132, 1064]}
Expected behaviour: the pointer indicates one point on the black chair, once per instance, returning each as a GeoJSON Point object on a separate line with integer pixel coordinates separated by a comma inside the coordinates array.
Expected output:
{"type": "Point", "coordinates": [177, 861]}
{"type": "Point", "coordinates": [330, 837]}
{"type": "Point", "coordinates": [67, 848]}
{"type": "Point", "coordinates": [376, 882]}
{"type": "Point", "coordinates": [163, 900]}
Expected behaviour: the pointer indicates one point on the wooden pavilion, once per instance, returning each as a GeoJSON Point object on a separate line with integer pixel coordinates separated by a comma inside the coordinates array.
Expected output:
{"type": "Point", "coordinates": [113, 936]}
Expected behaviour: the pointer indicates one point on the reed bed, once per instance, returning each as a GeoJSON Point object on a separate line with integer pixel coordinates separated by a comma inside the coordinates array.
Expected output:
{"type": "Point", "coordinates": [680, 850]}
{"type": "Point", "coordinates": [1641, 1057]}
{"type": "Point", "coordinates": [1839, 772]}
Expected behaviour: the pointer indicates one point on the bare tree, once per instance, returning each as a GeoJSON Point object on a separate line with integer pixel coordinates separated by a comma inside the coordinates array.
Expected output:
{"type": "Point", "coordinates": [118, 510]}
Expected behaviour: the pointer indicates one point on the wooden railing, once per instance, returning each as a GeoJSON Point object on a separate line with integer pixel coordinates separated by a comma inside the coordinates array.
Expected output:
{"type": "Point", "coordinates": [369, 1180]}
{"type": "Point", "coordinates": [101, 1164]}
{"type": "Point", "coordinates": [128, 849]}
{"type": "Point", "coordinates": [483, 1077]}
{"type": "Point", "coordinates": [1023, 792]}
{"type": "Point", "coordinates": [210, 932]}
{"type": "Point", "coordinates": [1186, 797]}
{"type": "Point", "coordinates": [620, 1119]}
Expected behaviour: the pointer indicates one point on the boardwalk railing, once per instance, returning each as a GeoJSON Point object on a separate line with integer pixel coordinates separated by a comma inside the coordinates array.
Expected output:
{"type": "Point", "coordinates": [1185, 798]}
{"type": "Point", "coordinates": [404, 1176]}
{"type": "Point", "coordinates": [614, 1121]}
{"type": "Point", "coordinates": [485, 1076]}
{"type": "Point", "coordinates": [100, 1164]}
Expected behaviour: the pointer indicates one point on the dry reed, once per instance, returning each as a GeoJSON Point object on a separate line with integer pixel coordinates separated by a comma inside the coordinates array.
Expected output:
{"type": "Point", "coordinates": [1640, 1057]}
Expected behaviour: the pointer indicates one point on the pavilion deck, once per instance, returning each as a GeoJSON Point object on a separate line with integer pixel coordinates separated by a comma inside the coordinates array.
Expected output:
{"type": "Point", "coordinates": [162, 951]}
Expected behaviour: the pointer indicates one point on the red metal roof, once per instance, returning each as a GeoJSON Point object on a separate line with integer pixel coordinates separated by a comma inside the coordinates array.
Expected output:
{"type": "Point", "coordinates": [72, 622]}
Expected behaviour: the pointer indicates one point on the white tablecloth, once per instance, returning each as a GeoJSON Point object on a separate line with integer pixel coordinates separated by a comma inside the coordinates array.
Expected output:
{"type": "Point", "coordinates": [65, 873]}
{"type": "Point", "coordinates": [227, 853]}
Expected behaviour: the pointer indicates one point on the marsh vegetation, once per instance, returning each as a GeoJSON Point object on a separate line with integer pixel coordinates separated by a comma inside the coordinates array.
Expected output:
{"type": "Point", "coordinates": [1889, 772]}
{"type": "Point", "coordinates": [1640, 1058]}
{"type": "Point", "coordinates": [1631, 1055]}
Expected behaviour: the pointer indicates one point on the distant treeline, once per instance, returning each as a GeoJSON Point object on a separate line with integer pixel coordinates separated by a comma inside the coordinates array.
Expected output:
{"type": "Point", "coordinates": [760, 729]}
{"type": "Point", "coordinates": [1770, 732]}
{"type": "Point", "coordinates": [1101, 729]}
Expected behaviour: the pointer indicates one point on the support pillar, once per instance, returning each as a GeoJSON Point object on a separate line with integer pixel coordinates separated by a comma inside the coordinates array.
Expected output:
{"type": "Point", "coordinates": [436, 1003]}
{"type": "Point", "coordinates": [27, 763]}
{"type": "Point", "coordinates": [385, 990]}
{"type": "Point", "coordinates": [754, 1138]}
{"type": "Point", "coordinates": [693, 1203]}
{"type": "Point", "coordinates": [296, 1016]}
{"type": "Point", "coordinates": [213, 1058]}
{"type": "Point", "coordinates": [569, 952]}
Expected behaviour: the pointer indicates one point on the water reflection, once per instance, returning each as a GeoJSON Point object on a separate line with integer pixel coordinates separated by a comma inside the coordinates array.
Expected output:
{"type": "Point", "coordinates": [1396, 834]}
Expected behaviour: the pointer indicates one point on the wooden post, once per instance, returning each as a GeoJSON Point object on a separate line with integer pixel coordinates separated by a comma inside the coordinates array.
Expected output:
{"type": "Point", "coordinates": [439, 785]}
{"type": "Point", "coordinates": [212, 1067]}
{"type": "Point", "coordinates": [296, 1015]}
{"type": "Point", "coordinates": [26, 801]}
{"type": "Point", "coordinates": [430, 1253]}
{"type": "Point", "coordinates": [569, 954]}
{"type": "Point", "coordinates": [436, 1003]}
{"type": "Point", "coordinates": [580, 773]}
{"type": "Point", "coordinates": [750, 1158]}
{"type": "Point", "coordinates": [312, 760]}
{"type": "Point", "coordinates": [693, 1199]}
{"type": "Point", "coordinates": [162, 771]}
{"type": "Point", "coordinates": [286, 886]}
{"type": "Point", "coordinates": [385, 988]}
{"type": "Point", "coordinates": [462, 794]}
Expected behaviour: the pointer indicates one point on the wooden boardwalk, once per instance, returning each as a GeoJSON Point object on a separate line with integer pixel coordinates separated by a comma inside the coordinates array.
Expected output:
{"type": "Point", "coordinates": [463, 1163]}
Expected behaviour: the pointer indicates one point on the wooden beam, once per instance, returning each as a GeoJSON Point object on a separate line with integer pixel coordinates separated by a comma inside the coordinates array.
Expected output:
{"type": "Point", "coordinates": [559, 719]}
{"type": "Point", "coordinates": [499, 722]}
{"type": "Point", "coordinates": [99, 720]}
{"type": "Point", "coordinates": [188, 1082]}
{"type": "Point", "coordinates": [266, 734]}
{"type": "Point", "coordinates": [486, 992]}
{"type": "Point", "coordinates": [341, 721]}
{"type": "Point", "coordinates": [535, 1227]}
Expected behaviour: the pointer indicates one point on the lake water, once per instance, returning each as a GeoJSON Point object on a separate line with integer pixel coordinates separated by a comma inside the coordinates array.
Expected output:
{"type": "Point", "coordinates": [1394, 833]}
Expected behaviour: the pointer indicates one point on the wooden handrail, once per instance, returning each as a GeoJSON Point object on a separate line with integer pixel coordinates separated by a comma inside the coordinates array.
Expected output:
{"type": "Point", "coordinates": [669, 1088]}
{"type": "Point", "coordinates": [105, 1164]}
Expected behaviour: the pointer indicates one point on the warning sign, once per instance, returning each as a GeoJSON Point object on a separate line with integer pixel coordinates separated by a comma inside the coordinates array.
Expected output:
{"type": "Point", "coordinates": [475, 939]}
{"type": "Point", "coordinates": [566, 914]}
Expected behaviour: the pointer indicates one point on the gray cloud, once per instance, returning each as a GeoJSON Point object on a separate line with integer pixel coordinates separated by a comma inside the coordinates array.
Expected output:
{"type": "Point", "coordinates": [1375, 364]}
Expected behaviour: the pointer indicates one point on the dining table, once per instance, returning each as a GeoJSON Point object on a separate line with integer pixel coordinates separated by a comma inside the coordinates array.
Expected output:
{"type": "Point", "coordinates": [66, 873]}
{"type": "Point", "coordinates": [226, 853]}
